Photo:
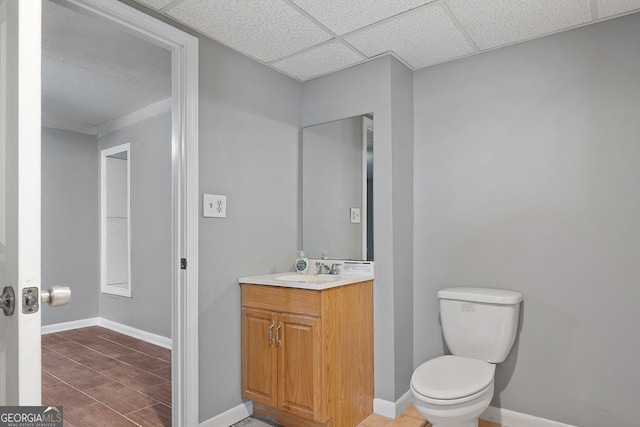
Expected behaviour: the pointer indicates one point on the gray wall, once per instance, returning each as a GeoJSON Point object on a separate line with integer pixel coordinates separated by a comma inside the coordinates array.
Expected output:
{"type": "Point", "coordinates": [70, 222]}
{"type": "Point", "coordinates": [526, 177]}
{"type": "Point", "coordinates": [402, 205]}
{"type": "Point", "coordinates": [249, 134]}
{"type": "Point", "coordinates": [149, 307]}
{"type": "Point", "coordinates": [71, 225]}
{"type": "Point", "coordinates": [331, 186]}
{"type": "Point", "coordinates": [367, 89]}
{"type": "Point", "coordinates": [249, 121]}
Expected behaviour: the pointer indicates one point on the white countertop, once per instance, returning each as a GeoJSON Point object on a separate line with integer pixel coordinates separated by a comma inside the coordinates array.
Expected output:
{"type": "Point", "coordinates": [316, 282]}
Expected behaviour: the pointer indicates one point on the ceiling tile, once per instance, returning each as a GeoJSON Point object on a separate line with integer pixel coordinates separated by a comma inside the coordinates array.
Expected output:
{"type": "Point", "coordinates": [608, 8]}
{"type": "Point", "coordinates": [421, 38]}
{"type": "Point", "coordinates": [265, 29]}
{"type": "Point", "coordinates": [493, 23]}
{"type": "Point", "coordinates": [319, 60]}
{"type": "Point", "coordinates": [156, 4]}
{"type": "Point", "coordinates": [343, 16]}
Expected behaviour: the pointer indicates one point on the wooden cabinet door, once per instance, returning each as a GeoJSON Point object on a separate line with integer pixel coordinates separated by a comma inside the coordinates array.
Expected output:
{"type": "Point", "coordinates": [259, 356]}
{"type": "Point", "coordinates": [299, 358]}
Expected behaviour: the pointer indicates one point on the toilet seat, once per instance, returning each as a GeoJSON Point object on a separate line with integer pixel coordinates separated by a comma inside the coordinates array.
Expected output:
{"type": "Point", "coordinates": [449, 380]}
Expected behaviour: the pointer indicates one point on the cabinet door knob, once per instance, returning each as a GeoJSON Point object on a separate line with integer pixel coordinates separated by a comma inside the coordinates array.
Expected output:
{"type": "Point", "coordinates": [271, 340]}
{"type": "Point", "coordinates": [278, 334]}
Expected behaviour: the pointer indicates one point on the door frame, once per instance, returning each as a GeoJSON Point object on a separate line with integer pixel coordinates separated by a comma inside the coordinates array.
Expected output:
{"type": "Point", "coordinates": [184, 190]}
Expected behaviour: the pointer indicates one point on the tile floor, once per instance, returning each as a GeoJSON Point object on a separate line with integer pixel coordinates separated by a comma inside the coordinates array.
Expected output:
{"type": "Point", "coordinates": [104, 378]}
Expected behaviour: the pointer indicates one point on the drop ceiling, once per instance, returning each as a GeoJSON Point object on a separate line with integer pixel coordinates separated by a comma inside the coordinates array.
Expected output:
{"type": "Point", "coordinates": [309, 38]}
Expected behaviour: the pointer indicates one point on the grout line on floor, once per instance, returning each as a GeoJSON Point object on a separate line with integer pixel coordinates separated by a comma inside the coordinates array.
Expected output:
{"type": "Point", "coordinates": [133, 351]}
{"type": "Point", "coordinates": [110, 357]}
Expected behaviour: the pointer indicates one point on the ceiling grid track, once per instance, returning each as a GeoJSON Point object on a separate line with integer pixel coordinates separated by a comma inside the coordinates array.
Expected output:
{"type": "Point", "coordinates": [450, 29]}
{"type": "Point", "coordinates": [594, 10]}
{"type": "Point", "coordinates": [390, 18]}
{"type": "Point", "coordinates": [309, 17]}
{"type": "Point", "coordinates": [170, 6]}
{"type": "Point", "coordinates": [335, 37]}
{"type": "Point", "coordinates": [459, 26]}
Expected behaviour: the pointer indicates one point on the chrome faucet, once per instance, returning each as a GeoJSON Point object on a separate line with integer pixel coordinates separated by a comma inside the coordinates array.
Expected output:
{"type": "Point", "coordinates": [322, 268]}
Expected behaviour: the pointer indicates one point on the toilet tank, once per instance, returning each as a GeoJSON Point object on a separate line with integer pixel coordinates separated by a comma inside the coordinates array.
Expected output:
{"type": "Point", "coordinates": [480, 323]}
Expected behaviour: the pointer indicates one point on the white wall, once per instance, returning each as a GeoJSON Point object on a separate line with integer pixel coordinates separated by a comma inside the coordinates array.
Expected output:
{"type": "Point", "coordinates": [527, 177]}
{"type": "Point", "coordinates": [149, 307]}
{"type": "Point", "coordinates": [70, 222]}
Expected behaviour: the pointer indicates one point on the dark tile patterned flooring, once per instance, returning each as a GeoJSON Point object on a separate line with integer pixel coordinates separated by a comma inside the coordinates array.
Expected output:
{"type": "Point", "coordinates": [104, 378]}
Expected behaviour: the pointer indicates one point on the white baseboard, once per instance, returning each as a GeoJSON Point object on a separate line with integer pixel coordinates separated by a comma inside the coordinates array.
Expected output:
{"type": "Point", "coordinates": [501, 416]}
{"type": "Point", "coordinates": [392, 409]}
{"type": "Point", "coordinates": [230, 417]}
{"type": "Point", "coordinates": [67, 326]}
{"type": "Point", "coordinates": [509, 418]}
{"type": "Point", "coordinates": [158, 340]}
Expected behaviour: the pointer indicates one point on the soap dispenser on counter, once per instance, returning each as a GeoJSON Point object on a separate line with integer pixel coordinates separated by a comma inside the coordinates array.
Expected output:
{"type": "Point", "coordinates": [302, 263]}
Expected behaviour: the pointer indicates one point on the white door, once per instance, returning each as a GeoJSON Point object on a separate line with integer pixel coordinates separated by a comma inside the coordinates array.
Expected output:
{"type": "Point", "coordinates": [20, 199]}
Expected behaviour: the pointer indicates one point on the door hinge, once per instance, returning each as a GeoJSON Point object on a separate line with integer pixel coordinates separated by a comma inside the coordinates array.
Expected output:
{"type": "Point", "coordinates": [183, 263]}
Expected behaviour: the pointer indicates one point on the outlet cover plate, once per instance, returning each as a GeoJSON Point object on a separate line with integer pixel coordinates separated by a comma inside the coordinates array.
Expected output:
{"type": "Point", "coordinates": [355, 215]}
{"type": "Point", "coordinates": [214, 206]}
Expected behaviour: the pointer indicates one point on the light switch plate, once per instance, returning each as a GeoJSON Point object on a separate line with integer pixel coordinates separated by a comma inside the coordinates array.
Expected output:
{"type": "Point", "coordinates": [214, 206]}
{"type": "Point", "coordinates": [355, 215]}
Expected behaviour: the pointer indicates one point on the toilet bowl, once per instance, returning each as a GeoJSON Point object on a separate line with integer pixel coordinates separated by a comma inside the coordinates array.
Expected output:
{"type": "Point", "coordinates": [452, 391]}
{"type": "Point", "coordinates": [479, 326]}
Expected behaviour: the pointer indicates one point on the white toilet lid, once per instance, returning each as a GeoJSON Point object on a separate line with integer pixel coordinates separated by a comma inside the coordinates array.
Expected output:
{"type": "Point", "coordinates": [452, 377]}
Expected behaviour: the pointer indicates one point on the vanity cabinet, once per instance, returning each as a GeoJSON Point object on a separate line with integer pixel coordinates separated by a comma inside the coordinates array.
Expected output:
{"type": "Point", "coordinates": [281, 365]}
{"type": "Point", "coordinates": [307, 355]}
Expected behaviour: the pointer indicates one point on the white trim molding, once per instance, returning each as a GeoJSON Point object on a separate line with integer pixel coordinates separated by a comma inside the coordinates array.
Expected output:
{"type": "Point", "coordinates": [390, 409]}
{"type": "Point", "coordinates": [184, 190]}
{"type": "Point", "coordinates": [67, 326]}
{"type": "Point", "coordinates": [109, 263]}
{"type": "Point", "coordinates": [149, 337]}
{"type": "Point", "coordinates": [230, 417]}
{"type": "Point", "coordinates": [501, 416]}
{"type": "Point", "coordinates": [102, 129]}
{"type": "Point", "coordinates": [509, 418]}
{"type": "Point", "coordinates": [122, 122]}
{"type": "Point", "coordinates": [54, 122]}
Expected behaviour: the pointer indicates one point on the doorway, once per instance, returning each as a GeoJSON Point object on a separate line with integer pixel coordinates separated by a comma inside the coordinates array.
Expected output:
{"type": "Point", "coordinates": [112, 75]}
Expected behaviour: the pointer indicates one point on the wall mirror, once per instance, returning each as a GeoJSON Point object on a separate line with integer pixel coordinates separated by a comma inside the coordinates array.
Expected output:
{"type": "Point", "coordinates": [337, 189]}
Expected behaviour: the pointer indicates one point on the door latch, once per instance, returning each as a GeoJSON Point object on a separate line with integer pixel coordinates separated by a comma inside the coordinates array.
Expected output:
{"type": "Point", "coordinates": [30, 300]}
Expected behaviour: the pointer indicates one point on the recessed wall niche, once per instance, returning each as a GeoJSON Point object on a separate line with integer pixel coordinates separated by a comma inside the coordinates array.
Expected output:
{"type": "Point", "coordinates": [115, 221]}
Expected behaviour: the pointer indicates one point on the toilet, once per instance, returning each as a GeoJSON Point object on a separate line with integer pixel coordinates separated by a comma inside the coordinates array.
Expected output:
{"type": "Point", "coordinates": [479, 326]}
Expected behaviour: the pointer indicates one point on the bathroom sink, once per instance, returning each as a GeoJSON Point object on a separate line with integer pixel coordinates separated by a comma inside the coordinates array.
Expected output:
{"type": "Point", "coordinates": [306, 281]}
{"type": "Point", "coordinates": [307, 278]}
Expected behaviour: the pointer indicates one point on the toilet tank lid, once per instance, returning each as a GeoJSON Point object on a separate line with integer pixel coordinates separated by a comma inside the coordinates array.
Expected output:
{"type": "Point", "coordinates": [486, 295]}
